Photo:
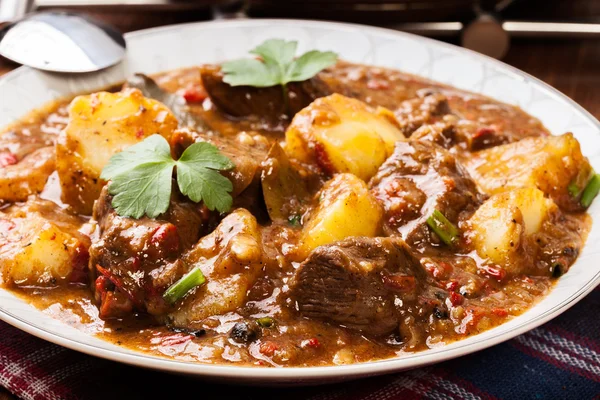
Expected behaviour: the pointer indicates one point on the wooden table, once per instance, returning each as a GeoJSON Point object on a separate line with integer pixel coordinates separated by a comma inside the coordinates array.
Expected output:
{"type": "Point", "coordinates": [571, 66]}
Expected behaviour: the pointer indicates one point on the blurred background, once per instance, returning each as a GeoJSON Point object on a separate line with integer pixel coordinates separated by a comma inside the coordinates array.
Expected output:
{"type": "Point", "coordinates": [487, 26]}
{"type": "Point", "coordinates": [557, 41]}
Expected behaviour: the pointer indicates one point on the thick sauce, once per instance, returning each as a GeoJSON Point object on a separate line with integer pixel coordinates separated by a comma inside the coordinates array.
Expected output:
{"type": "Point", "coordinates": [462, 294]}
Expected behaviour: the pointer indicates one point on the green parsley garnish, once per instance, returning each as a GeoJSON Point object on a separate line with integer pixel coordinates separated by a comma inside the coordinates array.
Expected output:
{"type": "Point", "coordinates": [276, 66]}
{"type": "Point", "coordinates": [179, 289]}
{"type": "Point", "coordinates": [445, 229]}
{"type": "Point", "coordinates": [140, 177]}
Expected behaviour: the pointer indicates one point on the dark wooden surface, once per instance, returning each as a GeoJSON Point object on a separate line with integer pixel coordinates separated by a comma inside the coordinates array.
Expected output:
{"type": "Point", "coordinates": [571, 66]}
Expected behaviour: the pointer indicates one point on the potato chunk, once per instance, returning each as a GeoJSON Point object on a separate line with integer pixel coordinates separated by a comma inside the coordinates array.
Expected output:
{"type": "Point", "coordinates": [40, 246]}
{"type": "Point", "coordinates": [547, 163]}
{"type": "Point", "coordinates": [28, 176]}
{"type": "Point", "coordinates": [342, 134]}
{"type": "Point", "coordinates": [231, 259]}
{"type": "Point", "coordinates": [100, 125]}
{"type": "Point", "coordinates": [346, 208]}
{"type": "Point", "coordinates": [501, 227]}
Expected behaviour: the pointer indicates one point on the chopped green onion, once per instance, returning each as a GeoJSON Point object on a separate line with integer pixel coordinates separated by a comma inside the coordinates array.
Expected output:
{"type": "Point", "coordinates": [265, 322]}
{"type": "Point", "coordinates": [590, 191]}
{"type": "Point", "coordinates": [179, 289]}
{"type": "Point", "coordinates": [295, 220]}
{"type": "Point", "coordinates": [443, 228]}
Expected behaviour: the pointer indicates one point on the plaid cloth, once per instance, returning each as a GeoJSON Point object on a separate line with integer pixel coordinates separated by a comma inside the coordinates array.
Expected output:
{"type": "Point", "coordinates": [560, 360]}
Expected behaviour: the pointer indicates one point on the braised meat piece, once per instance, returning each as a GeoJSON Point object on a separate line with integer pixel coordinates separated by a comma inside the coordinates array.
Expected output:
{"type": "Point", "coordinates": [358, 283]}
{"type": "Point", "coordinates": [262, 103]}
{"type": "Point", "coordinates": [417, 179]}
{"type": "Point", "coordinates": [133, 258]}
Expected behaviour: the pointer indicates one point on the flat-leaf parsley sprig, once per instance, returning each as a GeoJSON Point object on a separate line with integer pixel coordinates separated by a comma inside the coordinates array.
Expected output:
{"type": "Point", "coordinates": [276, 66]}
{"type": "Point", "coordinates": [140, 177]}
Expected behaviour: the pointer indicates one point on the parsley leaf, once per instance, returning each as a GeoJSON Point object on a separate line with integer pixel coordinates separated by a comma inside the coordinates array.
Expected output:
{"type": "Point", "coordinates": [198, 178]}
{"type": "Point", "coordinates": [278, 66]}
{"type": "Point", "coordinates": [140, 177]}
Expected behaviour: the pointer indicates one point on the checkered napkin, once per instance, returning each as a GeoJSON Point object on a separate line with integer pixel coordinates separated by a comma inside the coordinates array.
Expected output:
{"type": "Point", "coordinates": [560, 360]}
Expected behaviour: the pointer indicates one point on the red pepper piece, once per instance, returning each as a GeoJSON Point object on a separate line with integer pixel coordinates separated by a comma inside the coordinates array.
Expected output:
{"type": "Point", "coordinates": [494, 271]}
{"type": "Point", "coordinates": [7, 159]}
{"type": "Point", "coordinates": [165, 238]}
{"type": "Point", "coordinates": [456, 299]}
{"type": "Point", "coordinates": [401, 283]}
{"type": "Point", "coordinates": [268, 348]}
{"type": "Point", "coordinates": [79, 274]}
{"type": "Point", "coordinates": [195, 94]}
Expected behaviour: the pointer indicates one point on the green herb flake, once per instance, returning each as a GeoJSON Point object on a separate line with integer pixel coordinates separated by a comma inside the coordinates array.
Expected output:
{"type": "Point", "coordinates": [445, 229]}
{"type": "Point", "coordinates": [265, 322]}
{"type": "Point", "coordinates": [140, 177]}
{"type": "Point", "coordinates": [295, 220]}
{"type": "Point", "coordinates": [179, 289]}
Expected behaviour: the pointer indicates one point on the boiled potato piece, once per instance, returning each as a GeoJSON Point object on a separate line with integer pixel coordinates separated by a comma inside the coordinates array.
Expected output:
{"type": "Point", "coordinates": [231, 259]}
{"type": "Point", "coordinates": [100, 125]}
{"type": "Point", "coordinates": [342, 134]}
{"type": "Point", "coordinates": [500, 228]}
{"type": "Point", "coordinates": [346, 208]}
{"type": "Point", "coordinates": [40, 246]}
{"type": "Point", "coordinates": [549, 163]}
{"type": "Point", "coordinates": [28, 176]}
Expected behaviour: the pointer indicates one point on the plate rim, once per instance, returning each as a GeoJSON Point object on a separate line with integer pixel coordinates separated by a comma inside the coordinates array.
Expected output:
{"type": "Point", "coordinates": [307, 374]}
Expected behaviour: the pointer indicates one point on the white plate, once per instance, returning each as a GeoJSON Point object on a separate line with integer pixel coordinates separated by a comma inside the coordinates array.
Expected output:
{"type": "Point", "coordinates": [172, 47]}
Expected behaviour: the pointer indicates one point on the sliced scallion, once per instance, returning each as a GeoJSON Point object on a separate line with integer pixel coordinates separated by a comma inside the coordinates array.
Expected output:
{"type": "Point", "coordinates": [179, 289]}
{"type": "Point", "coordinates": [445, 229]}
{"type": "Point", "coordinates": [265, 322]}
{"type": "Point", "coordinates": [590, 191]}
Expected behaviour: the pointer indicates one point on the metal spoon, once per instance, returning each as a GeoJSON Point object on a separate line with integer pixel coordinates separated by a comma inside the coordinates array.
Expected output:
{"type": "Point", "coordinates": [61, 42]}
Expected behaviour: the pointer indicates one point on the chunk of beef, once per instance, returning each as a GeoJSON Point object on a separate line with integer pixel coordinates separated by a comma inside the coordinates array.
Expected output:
{"type": "Point", "coordinates": [417, 179]}
{"type": "Point", "coordinates": [359, 283]}
{"type": "Point", "coordinates": [134, 257]}
{"type": "Point", "coordinates": [427, 108]}
{"type": "Point", "coordinates": [262, 103]}
{"type": "Point", "coordinates": [429, 117]}
{"type": "Point", "coordinates": [244, 151]}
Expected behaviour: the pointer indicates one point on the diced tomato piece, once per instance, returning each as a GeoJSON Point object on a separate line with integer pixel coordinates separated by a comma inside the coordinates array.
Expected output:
{"type": "Point", "coordinates": [322, 159]}
{"type": "Point", "coordinates": [494, 271]}
{"type": "Point", "coordinates": [312, 342]}
{"type": "Point", "coordinates": [139, 133]}
{"type": "Point", "coordinates": [501, 312]}
{"type": "Point", "coordinates": [456, 299]}
{"type": "Point", "coordinates": [268, 348]}
{"type": "Point", "coordinates": [484, 131]}
{"type": "Point", "coordinates": [401, 283]}
{"type": "Point", "coordinates": [195, 94]}
{"type": "Point", "coordinates": [79, 274]}
{"type": "Point", "coordinates": [102, 285]}
{"type": "Point", "coordinates": [118, 284]}
{"type": "Point", "coordinates": [115, 305]}
{"type": "Point", "coordinates": [7, 159]}
{"type": "Point", "coordinates": [165, 238]}
{"type": "Point", "coordinates": [452, 286]}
